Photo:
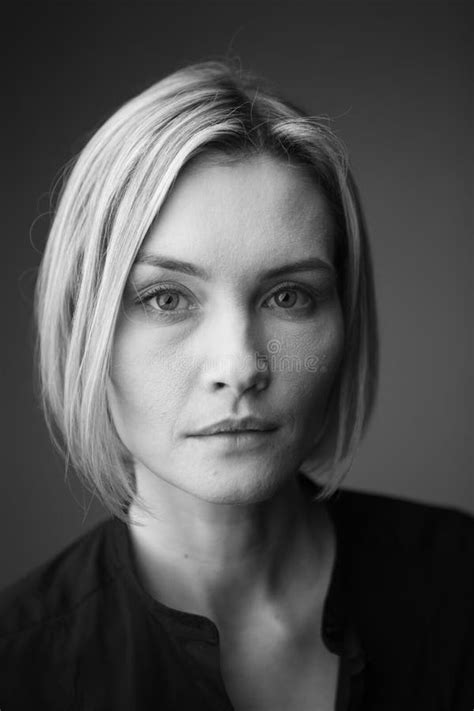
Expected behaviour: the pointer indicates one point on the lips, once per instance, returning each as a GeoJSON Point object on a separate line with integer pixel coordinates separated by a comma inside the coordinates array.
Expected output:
{"type": "Point", "coordinates": [245, 425]}
{"type": "Point", "coordinates": [239, 433]}
{"type": "Point", "coordinates": [241, 442]}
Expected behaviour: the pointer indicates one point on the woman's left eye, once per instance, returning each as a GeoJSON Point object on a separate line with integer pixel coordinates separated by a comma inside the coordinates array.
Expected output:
{"type": "Point", "coordinates": [286, 297]}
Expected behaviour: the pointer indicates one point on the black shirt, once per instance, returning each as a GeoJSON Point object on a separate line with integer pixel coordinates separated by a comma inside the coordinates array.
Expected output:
{"type": "Point", "coordinates": [81, 633]}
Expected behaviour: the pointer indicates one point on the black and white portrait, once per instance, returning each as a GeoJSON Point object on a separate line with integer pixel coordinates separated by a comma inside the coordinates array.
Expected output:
{"type": "Point", "coordinates": [237, 357]}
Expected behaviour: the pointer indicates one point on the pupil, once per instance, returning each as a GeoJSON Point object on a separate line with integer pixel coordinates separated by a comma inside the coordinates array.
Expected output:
{"type": "Point", "coordinates": [282, 300]}
{"type": "Point", "coordinates": [165, 300]}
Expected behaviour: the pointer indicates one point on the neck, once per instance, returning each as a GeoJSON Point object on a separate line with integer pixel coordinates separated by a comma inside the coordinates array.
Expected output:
{"type": "Point", "coordinates": [212, 558]}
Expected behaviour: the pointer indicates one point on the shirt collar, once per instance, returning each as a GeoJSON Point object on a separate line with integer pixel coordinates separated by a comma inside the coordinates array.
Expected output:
{"type": "Point", "coordinates": [338, 630]}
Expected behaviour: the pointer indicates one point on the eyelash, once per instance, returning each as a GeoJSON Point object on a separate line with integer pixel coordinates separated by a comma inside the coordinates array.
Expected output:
{"type": "Point", "coordinates": [147, 296]}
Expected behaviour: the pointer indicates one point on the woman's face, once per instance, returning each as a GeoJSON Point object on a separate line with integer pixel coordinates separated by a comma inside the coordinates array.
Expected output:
{"type": "Point", "coordinates": [226, 337]}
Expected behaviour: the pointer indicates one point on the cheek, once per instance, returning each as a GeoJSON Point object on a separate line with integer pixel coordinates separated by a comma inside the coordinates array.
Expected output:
{"type": "Point", "coordinates": [310, 365]}
{"type": "Point", "coordinates": [144, 385]}
{"type": "Point", "coordinates": [314, 355]}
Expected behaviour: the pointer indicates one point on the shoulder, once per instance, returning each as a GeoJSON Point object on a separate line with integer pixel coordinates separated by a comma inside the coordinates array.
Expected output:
{"type": "Point", "coordinates": [410, 573]}
{"type": "Point", "coordinates": [410, 526]}
{"type": "Point", "coordinates": [48, 620]}
{"type": "Point", "coordinates": [58, 587]}
{"type": "Point", "coordinates": [411, 545]}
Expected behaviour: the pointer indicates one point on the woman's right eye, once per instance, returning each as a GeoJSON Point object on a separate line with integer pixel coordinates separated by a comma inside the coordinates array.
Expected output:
{"type": "Point", "coordinates": [163, 299]}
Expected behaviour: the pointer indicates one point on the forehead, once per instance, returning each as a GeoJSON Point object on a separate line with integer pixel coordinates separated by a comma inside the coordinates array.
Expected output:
{"type": "Point", "coordinates": [257, 210]}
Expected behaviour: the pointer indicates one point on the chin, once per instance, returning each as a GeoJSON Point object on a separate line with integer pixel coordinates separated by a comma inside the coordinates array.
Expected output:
{"type": "Point", "coordinates": [246, 486]}
{"type": "Point", "coordinates": [246, 480]}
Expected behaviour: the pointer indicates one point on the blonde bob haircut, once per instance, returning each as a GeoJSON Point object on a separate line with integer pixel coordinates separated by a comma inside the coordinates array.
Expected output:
{"type": "Point", "coordinates": [108, 201]}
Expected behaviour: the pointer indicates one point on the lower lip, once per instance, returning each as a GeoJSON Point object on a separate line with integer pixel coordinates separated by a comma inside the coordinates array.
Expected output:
{"type": "Point", "coordinates": [237, 440]}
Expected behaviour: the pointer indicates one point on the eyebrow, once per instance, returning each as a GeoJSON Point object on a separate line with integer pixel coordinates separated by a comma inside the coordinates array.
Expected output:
{"type": "Point", "coordinates": [301, 265]}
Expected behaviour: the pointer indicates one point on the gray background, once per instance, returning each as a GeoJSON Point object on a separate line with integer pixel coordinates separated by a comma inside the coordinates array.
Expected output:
{"type": "Point", "coordinates": [397, 80]}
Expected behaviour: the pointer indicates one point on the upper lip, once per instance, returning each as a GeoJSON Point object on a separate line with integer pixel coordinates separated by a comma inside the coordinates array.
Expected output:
{"type": "Point", "coordinates": [237, 425]}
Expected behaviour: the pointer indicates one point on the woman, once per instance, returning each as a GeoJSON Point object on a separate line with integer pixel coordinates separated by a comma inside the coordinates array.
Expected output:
{"type": "Point", "coordinates": [207, 349]}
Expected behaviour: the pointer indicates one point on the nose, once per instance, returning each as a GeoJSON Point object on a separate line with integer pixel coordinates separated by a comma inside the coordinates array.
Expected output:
{"type": "Point", "coordinates": [234, 357]}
